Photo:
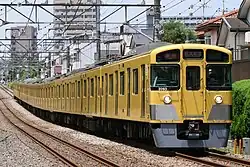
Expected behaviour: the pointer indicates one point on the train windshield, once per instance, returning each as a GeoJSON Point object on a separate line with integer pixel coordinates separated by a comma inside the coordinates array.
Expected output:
{"type": "Point", "coordinates": [165, 77]}
{"type": "Point", "coordinates": [219, 77]}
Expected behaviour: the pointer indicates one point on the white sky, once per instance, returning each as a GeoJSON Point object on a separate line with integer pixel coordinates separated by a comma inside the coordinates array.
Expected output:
{"type": "Point", "coordinates": [212, 6]}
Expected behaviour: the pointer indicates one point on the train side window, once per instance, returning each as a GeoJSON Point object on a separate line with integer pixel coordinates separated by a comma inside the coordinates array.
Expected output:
{"type": "Point", "coordinates": [67, 90]}
{"type": "Point", "coordinates": [193, 78]}
{"type": "Point", "coordinates": [102, 85]}
{"type": "Point", "coordinates": [111, 84]}
{"type": "Point", "coordinates": [73, 87]}
{"type": "Point", "coordinates": [85, 88]}
{"type": "Point", "coordinates": [52, 92]}
{"type": "Point", "coordinates": [98, 87]}
{"type": "Point", "coordinates": [63, 93]}
{"type": "Point", "coordinates": [59, 90]}
{"type": "Point", "coordinates": [79, 89]}
{"type": "Point", "coordinates": [135, 81]}
{"type": "Point", "coordinates": [92, 87]}
{"type": "Point", "coordinates": [122, 83]}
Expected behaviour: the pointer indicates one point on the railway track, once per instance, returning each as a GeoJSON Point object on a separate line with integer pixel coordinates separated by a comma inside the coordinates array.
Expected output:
{"type": "Point", "coordinates": [7, 90]}
{"type": "Point", "coordinates": [237, 161]}
{"type": "Point", "coordinates": [18, 123]}
{"type": "Point", "coordinates": [215, 159]}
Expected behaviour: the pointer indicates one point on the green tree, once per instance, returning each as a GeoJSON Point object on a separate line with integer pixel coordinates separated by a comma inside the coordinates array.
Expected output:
{"type": "Point", "coordinates": [176, 32]}
{"type": "Point", "coordinates": [241, 109]}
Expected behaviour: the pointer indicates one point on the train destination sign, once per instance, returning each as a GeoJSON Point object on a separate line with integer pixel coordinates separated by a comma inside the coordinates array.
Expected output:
{"type": "Point", "coordinates": [193, 54]}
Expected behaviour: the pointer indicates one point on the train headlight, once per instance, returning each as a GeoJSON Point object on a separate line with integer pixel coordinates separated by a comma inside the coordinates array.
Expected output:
{"type": "Point", "coordinates": [218, 99]}
{"type": "Point", "coordinates": [167, 99]}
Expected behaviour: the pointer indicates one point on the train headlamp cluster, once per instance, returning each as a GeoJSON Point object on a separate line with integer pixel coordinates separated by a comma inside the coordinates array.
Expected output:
{"type": "Point", "coordinates": [218, 99]}
{"type": "Point", "coordinates": [167, 99]}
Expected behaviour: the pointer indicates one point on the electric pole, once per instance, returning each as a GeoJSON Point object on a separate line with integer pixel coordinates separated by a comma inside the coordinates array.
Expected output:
{"type": "Point", "coordinates": [157, 17]}
{"type": "Point", "coordinates": [203, 10]}
{"type": "Point", "coordinates": [223, 7]}
{"type": "Point", "coordinates": [98, 33]}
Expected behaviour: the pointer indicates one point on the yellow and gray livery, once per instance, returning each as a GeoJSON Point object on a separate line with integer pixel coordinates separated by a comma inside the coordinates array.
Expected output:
{"type": "Point", "coordinates": [178, 94]}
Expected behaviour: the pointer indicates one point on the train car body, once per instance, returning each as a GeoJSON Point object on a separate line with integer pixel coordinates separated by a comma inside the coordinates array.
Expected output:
{"type": "Point", "coordinates": [179, 94]}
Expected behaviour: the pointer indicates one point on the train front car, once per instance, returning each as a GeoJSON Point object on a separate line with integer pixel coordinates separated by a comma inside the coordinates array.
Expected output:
{"type": "Point", "coordinates": [190, 96]}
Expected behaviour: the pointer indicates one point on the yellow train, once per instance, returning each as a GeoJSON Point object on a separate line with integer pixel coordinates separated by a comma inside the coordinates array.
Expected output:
{"type": "Point", "coordinates": [179, 94]}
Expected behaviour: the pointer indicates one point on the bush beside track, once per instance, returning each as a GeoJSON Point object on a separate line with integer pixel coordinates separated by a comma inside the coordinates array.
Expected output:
{"type": "Point", "coordinates": [10, 85]}
{"type": "Point", "coordinates": [241, 109]}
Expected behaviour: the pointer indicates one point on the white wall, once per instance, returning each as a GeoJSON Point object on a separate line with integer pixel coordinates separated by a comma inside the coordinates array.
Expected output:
{"type": "Point", "coordinates": [247, 37]}
{"type": "Point", "coordinates": [230, 43]}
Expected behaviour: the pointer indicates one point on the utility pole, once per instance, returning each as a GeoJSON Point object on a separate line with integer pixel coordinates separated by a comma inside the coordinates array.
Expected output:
{"type": "Point", "coordinates": [68, 59]}
{"type": "Point", "coordinates": [223, 7]}
{"type": "Point", "coordinates": [157, 17]}
{"type": "Point", "coordinates": [49, 59]}
{"type": "Point", "coordinates": [203, 10]}
{"type": "Point", "coordinates": [98, 32]}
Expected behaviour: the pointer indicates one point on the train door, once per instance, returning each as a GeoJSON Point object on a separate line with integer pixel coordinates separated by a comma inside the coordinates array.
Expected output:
{"type": "Point", "coordinates": [193, 86]}
{"type": "Point", "coordinates": [88, 101]}
{"type": "Point", "coordinates": [128, 91]}
{"type": "Point", "coordinates": [143, 91]}
{"type": "Point", "coordinates": [106, 94]}
{"type": "Point", "coordinates": [101, 93]}
{"type": "Point", "coordinates": [96, 93]}
{"type": "Point", "coordinates": [116, 93]}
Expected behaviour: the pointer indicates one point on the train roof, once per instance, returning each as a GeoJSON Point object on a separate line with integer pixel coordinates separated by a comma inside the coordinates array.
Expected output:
{"type": "Point", "coordinates": [138, 51]}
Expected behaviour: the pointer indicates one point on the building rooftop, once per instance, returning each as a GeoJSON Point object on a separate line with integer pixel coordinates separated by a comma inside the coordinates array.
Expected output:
{"type": "Point", "coordinates": [235, 24]}
{"type": "Point", "coordinates": [205, 26]}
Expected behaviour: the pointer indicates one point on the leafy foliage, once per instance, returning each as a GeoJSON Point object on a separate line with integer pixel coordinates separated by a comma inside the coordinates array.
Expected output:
{"type": "Point", "coordinates": [241, 109]}
{"type": "Point", "coordinates": [10, 85]}
{"type": "Point", "coordinates": [176, 32]}
{"type": "Point", "coordinates": [32, 73]}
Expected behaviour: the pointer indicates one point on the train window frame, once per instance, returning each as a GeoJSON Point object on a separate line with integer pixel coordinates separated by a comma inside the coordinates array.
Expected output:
{"type": "Point", "coordinates": [73, 90]}
{"type": "Point", "coordinates": [78, 88]}
{"type": "Point", "coordinates": [135, 81]}
{"type": "Point", "coordinates": [92, 87]}
{"type": "Point", "coordinates": [85, 88]}
{"type": "Point", "coordinates": [51, 91]}
{"type": "Point", "coordinates": [111, 85]}
{"type": "Point", "coordinates": [198, 86]}
{"type": "Point", "coordinates": [153, 72]}
{"type": "Point", "coordinates": [159, 56]}
{"type": "Point", "coordinates": [63, 93]}
{"type": "Point", "coordinates": [102, 86]}
{"type": "Point", "coordinates": [67, 92]}
{"type": "Point", "coordinates": [98, 86]}
{"type": "Point", "coordinates": [193, 58]}
{"type": "Point", "coordinates": [59, 91]}
{"type": "Point", "coordinates": [221, 87]}
{"type": "Point", "coordinates": [213, 61]}
{"type": "Point", "coordinates": [122, 83]}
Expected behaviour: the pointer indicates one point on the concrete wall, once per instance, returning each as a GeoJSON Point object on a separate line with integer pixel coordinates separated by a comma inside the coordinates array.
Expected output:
{"type": "Point", "coordinates": [241, 70]}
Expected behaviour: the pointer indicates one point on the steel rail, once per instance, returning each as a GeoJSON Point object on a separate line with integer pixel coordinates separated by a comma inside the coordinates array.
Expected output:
{"type": "Point", "coordinates": [231, 159]}
{"type": "Point", "coordinates": [47, 148]}
{"type": "Point", "coordinates": [81, 150]}
{"type": "Point", "coordinates": [198, 160]}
